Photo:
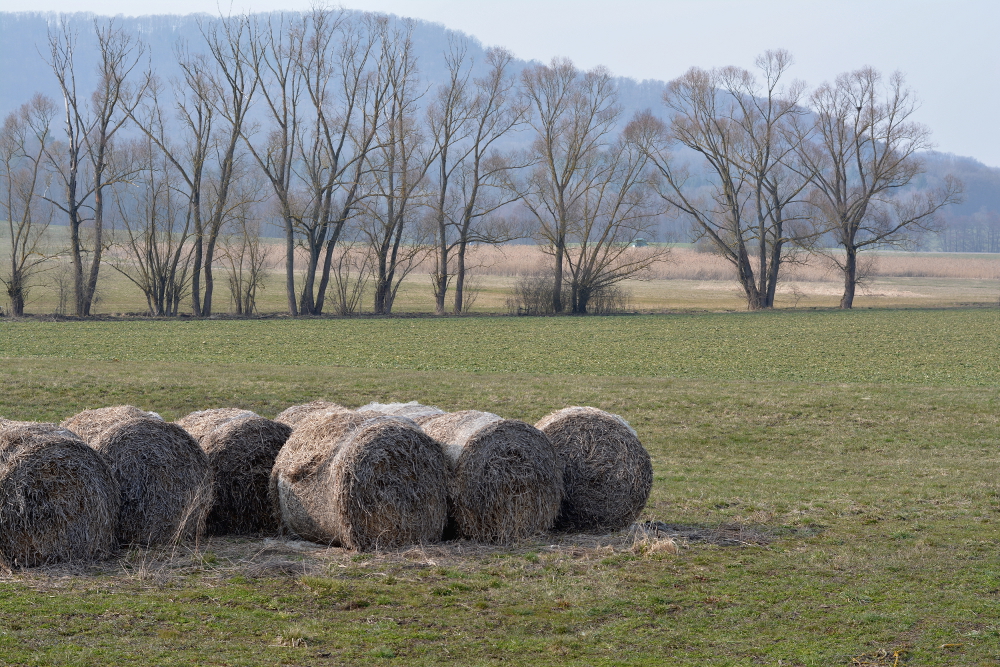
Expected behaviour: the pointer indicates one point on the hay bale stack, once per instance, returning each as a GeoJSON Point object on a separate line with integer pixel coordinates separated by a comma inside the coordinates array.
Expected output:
{"type": "Point", "coordinates": [89, 424]}
{"type": "Point", "coordinates": [40, 428]}
{"type": "Point", "coordinates": [412, 410]}
{"type": "Point", "coordinates": [506, 479]}
{"type": "Point", "coordinates": [202, 422]}
{"type": "Point", "coordinates": [241, 447]}
{"type": "Point", "coordinates": [296, 413]}
{"type": "Point", "coordinates": [608, 473]}
{"type": "Point", "coordinates": [58, 499]}
{"type": "Point", "coordinates": [361, 482]}
{"type": "Point", "coordinates": [164, 478]}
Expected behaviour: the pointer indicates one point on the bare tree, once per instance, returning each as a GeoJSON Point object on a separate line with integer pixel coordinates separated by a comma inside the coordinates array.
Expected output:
{"type": "Point", "coordinates": [574, 115]}
{"type": "Point", "coordinates": [86, 165]}
{"type": "Point", "coordinates": [861, 162]}
{"type": "Point", "coordinates": [748, 197]}
{"type": "Point", "coordinates": [25, 137]}
{"type": "Point", "coordinates": [588, 188]}
{"type": "Point", "coordinates": [153, 228]}
{"type": "Point", "coordinates": [211, 100]}
{"type": "Point", "coordinates": [395, 172]}
{"type": "Point", "coordinates": [465, 122]}
{"type": "Point", "coordinates": [613, 213]}
{"type": "Point", "coordinates": [344, 96]}
{"type": "Point", "coordinates": [273, 54]}
{"type": "Point", "coordinates": [220, 89]}
{"type": "Point", "coordinates": [244, 255]}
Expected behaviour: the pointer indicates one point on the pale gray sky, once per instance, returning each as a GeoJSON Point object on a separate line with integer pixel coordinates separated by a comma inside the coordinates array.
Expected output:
{"type": "Point", "coordinates": [948, 50]}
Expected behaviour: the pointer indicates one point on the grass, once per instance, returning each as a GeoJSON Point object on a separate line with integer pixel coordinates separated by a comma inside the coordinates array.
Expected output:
{"type": "Point", "coordinates": [861, 447]}
{"type": "Point", "coordinates": [946, 347]}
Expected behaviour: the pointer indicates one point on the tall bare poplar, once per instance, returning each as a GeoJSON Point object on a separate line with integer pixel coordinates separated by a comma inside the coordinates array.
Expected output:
{"type": "Point", "coordinates": [465, 121]}
{"type": "Point", "coordinates": [862, 159]}
{"type": "Point", "coordinates": [395, 171]}
{"type": "Point", "coordinates": [25, 137]}
{"type": "Point", "coordinates": [748, 199]}
{"type": "Point", "coordinates": [574, 115]}
{"type": "Point", "coordinates": [273, 53]}
{"type": "Point", "coordinates": [86, 166]}
{"type": "Point", "coordinates": [341, 110]}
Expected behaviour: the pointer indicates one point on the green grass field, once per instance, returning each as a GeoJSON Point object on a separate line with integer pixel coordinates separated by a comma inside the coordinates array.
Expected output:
{"type": "Point", "coordinates": [850, 460]}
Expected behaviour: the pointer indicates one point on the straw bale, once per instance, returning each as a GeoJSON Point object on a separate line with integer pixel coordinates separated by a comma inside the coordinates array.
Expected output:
{"type": "Point", "coordinates": [608, 473]}
{"type": "Point", "coordinates": [361, 482]}
{"type": "Point", "coordinates": [412, 410]}
{"type": "Point", "coordinates": [201, 422]}
{"type": "Point", "coordinates": [296, 413]}
{"type": "Point", "coordinates": [58, 498]}
{"type": "Point", "coordinates": [164, 477]}
{"type": "Point", "coordinates": [89, 424]}
{"type": "Point", "coordinates": [506, 480]}
{"type": "Point", "coordinates": [40, 428]}
{"type": "Point", "coordinates": [241, 448]}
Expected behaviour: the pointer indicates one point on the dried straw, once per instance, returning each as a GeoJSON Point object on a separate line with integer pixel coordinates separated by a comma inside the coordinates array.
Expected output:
{"type": "Point", "coordinates": [296, 413]}
{"type": "Point", "coordinates": [361, 482]}
{"type": "Point", "coordinates": [241, 448]}
{"type": "Point", "coordinates": [202, 422]}
{"type": "Point", "coordinates": [58, 499]}
{"type": "Point", "coordinates": [89, 424]}
{"type": "Point", "coordinates": [506, 480]}
{"type": "Point", "coordinates": [412, 410]}
{"type": "Point", "coordinates": [40, 428]}
{"type": "Point", "coordinates": [164, 477]}
{"type": "Point", "coordinates": [608, 473]}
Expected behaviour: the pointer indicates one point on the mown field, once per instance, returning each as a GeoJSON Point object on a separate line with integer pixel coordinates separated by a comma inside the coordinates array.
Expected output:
{"type": "Point", "coordinates": [834, 476]}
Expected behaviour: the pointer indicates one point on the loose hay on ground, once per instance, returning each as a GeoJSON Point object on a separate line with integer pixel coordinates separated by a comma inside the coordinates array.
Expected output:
{"type": "Point", "coordinates": [89, 424]}
{"type": "Point", "coordinates": [241, 447]}
{"type": "Point", "coordinates": [608, 473]}
{"type": "Point", "coordinates": [361, 482]}
{"type": "Point", "coordinates": [164, 477]}
{"type": "Point", "coordinates": [505, 479]}
{"type": "Point", "coordinates": [58, 498]}
{"type": "Point", "coordinates": [296, 413]}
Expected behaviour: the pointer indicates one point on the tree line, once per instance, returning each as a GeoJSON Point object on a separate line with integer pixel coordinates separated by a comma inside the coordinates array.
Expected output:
{"type": "Point", "coordinates": [321, 122]}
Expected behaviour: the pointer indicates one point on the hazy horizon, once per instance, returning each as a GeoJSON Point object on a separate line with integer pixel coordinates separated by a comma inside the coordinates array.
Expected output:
{"type": "Point", "coordinates": [947, 51]}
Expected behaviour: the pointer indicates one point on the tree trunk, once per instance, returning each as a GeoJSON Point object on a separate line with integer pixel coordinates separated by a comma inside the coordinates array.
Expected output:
{"type": "Point", "coordinates": [290, 267]}
{"type": "Point", "coordinates": [557, 304]}
{"type": "Point", "coordinates": [744, 274]}
{"type": "Point", "coordinates": [850, 277]}
{"type": "Point", "coordinates": [206, 305]}
{"type": "Point", "coordinates": [15, 290]}
{"type": "Point", "coordinates": [196, 273]}
{"type": "Point", "coordinates": [460, 278]}
{"type": "Point", "coordinates": [441, 279]}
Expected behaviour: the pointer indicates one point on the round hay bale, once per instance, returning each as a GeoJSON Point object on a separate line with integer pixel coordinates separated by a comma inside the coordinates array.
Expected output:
{"type": "Point", "coordinates": [58, 498]}
{"type": "Point", "coordinates": [608, 473]}
{"type": "Point", "coordinates": [202, 422]}
{"type": "Point", "coordinates": [296, 413]}
{"type": "Point", "coordinates": [89, 424]}
{"type": "Point", "coordinates": [40, 428]}
{"type": "Point", "coordinates": [361, 482]}
{"type": "Point", "coordinates": [164, 478]}
{"type": "Point", "coordinates": [241, 448]}
{"type": "Point", "coordinates": [506, 480]}
{"type": "Point", "coordinates": [412, 410]}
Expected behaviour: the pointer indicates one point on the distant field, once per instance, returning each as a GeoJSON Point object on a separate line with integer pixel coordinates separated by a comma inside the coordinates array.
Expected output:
{"type": "Point", "coordinates": [687, 281]}
{"type": "Point", "coordinates": [832, 476]}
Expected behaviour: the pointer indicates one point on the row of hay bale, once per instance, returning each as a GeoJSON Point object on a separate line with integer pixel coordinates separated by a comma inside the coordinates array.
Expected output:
{"type": "Point", "coordinates": [381, 476]}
